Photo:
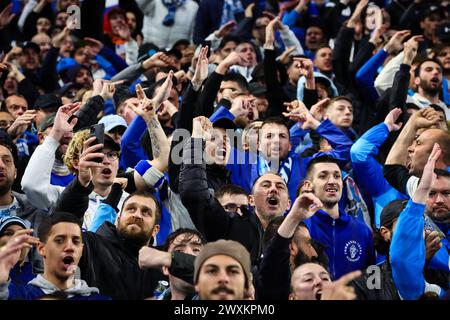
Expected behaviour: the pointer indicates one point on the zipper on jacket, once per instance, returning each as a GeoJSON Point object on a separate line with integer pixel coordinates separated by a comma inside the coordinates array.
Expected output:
{"type": "Point", "coordinates": [334, 250]}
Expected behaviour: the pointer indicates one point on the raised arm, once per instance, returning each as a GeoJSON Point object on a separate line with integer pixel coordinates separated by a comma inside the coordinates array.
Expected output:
{"type": "Point", "coordinates": [160, 145]}
{"type": "Point", "coordinates": [407, 251]}
{"type": "Point", "coordinates": [423, 118]}
{"type": "Point", "coordinates": [274, 275]}
{"type": "Point", "coordinates": [36, 178]}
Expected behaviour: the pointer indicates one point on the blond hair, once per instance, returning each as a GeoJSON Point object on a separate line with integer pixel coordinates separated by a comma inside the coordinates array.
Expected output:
{"type": "Point", "coordinates": [74, 149]}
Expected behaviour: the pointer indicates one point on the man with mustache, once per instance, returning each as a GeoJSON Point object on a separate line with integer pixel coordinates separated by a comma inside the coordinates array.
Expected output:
{"type": "Point", "coordinates": [222, 271]}
{"type": "Point", "coordinates": [438, 209]}
{"type": "Point", "coordinates": [428, 77]}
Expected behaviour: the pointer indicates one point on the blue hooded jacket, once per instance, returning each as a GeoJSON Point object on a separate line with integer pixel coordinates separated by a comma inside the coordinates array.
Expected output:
{"type": "Point", "coordinates": [348, 241]}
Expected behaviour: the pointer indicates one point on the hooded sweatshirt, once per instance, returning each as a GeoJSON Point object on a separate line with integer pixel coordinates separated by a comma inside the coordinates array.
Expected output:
{"type": "Point", "coordinates": [40, 286]}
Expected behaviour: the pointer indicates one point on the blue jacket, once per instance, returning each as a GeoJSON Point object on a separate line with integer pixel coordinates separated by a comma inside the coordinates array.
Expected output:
{"type": "Point", "coordinates": [246, 174]}
{"type": "Point", "coordinates": [63, 181]}
{"type": "Point", "coordinates": [31, 292]}
{"type": "Point", "coordinates": [348, 241]}
{"type": "Point", "coordinates": [369, 173]}
{"type": "Point", "coordinates": [130, 145]}
{"type": "Point", "coordinates": [407, 252]}
{"type": "Point", "coordinates": [365, 76]}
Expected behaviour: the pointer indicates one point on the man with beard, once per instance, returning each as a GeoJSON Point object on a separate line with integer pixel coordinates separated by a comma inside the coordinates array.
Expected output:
{"type": "Point", "coordinates": [222, 271]}
{"type": "Point", "coordinates": [13, 203]}
{"type": "Point", "coordinates": [428, 79]}
{"type": "Point", "coordinates": [183, 240]}
{"type": "Point", "coordinates": [110, 255]}
{"type": "Point", "coordinates": [438, 209]}
{"type": "Point", "coordinates": [348, 241]}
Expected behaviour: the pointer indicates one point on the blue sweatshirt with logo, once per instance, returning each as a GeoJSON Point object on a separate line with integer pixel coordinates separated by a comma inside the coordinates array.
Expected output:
{"type": "Point", "coordinates": [348, 241]}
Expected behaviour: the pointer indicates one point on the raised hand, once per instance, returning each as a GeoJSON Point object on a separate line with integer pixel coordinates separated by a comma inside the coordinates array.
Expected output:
{"type": "Point", "coordinates": [225, 29]}
{"type": "Point", "coordinates": [410, 49]}
{"type": "Point", "coordinates": [395, 44]}
{"type": "Point", "coordinates": [10, 253]}
{"type": "Point", "coordinates": [108, 90]}
{"type": "Point", "coordinates": [271, 28]}
{"type": "Point", "coordinates": [249, 10]}
{"type": "Point", "coordinates": [297, 105]}
{"type": "Point", "coordinates": [164, 91]}
{"type": "Point", "coordinates": [232, 59]}
{"type": "Point", "coordinates": [284, 57]}
{"type": "Point", "coordinates": [240, 106]}
{"type": "Point", "coordinates": [21, 123]}
{"type": "Point", "coordinates": [89, 160]}
{"type": "Point", "coordinates": [428, 176]}
{"type": "Point", "coordinates": [201, 69]}
{"type": "Point", "coordinates": [153, 258]}
{"type": "Point", "coordinates": [6, 16]}
{"type": "Point", "coordinates": [425, 118]}
{"type": "Point", "coordinates": [159, 59]}
{"type": "Point", "coordinates": [306, 67]}
{"type": "Point", "coordinates": [61, 125]}
{"type": "Point", "coordinates": [339, 289]}
{"type": "Point", "coordinates": [305, 206]}
{"type": "Point", "coordinates": [391, 119]}
{"type": "Point", "coordinates": [202, 128]}
{"type": "Point", "coordinates": [432, 243]}
{"type": "Point", "coordinates": [95, 45]}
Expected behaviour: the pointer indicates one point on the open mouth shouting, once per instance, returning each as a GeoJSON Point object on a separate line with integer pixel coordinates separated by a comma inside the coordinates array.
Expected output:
{"type": "Point", "coordinates": [68, 261]}
{"type": "Point", "coordinates": [273, 202]}
{"type": "Point", "coordinates": [106, 172]}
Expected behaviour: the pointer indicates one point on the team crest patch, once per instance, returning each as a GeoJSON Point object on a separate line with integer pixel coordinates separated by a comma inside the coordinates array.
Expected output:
{"type": "Point", "coordinates": [352, 251]}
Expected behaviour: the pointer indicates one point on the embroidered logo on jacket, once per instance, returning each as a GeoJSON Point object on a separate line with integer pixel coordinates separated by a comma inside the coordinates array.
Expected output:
{"type": "Point", "coordinates": [352, 251]}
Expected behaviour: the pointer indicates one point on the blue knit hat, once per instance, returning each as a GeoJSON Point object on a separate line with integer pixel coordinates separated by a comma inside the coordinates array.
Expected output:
{"type": "Point", "coordinates": [7, 221]}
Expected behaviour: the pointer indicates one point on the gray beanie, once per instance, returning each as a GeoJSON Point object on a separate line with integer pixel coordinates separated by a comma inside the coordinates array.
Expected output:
{"type": "Point", "coordinates": [228, 248]}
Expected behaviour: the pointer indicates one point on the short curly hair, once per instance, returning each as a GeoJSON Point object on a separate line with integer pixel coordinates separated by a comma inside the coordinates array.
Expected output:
{"type": "Point", "coordinates": [74, 149]}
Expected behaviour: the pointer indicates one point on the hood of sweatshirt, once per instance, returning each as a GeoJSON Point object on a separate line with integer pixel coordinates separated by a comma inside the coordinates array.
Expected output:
{"type": "Point", "coordinates": [80, 287]}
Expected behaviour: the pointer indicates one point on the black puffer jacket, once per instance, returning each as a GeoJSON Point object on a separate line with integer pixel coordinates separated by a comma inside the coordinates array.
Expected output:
{"type": "Point", "coordinates": [364, 285]}
{"type": "Point", "coordinates": [110, 263]}
{"type": "Point", "coordinates": [206, 212]}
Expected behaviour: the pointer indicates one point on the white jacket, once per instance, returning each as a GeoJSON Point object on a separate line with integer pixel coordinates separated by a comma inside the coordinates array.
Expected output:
{"type": "Point", "coordinates": [43, 195]}
{"type": "Point", "coordinates": [164, 37]}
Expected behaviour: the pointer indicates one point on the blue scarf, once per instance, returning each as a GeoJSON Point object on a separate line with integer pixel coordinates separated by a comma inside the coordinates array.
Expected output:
{"type": "Point", "coordinates": [284, 170]}
{"type": "Point", "coordinates": [172, 6]}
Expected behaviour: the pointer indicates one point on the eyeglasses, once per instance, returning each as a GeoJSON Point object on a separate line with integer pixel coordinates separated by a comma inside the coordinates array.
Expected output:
{"type": "Point", "coordinates": [112, 155]}
{"type": "Point", "coordinates": [233, 208]}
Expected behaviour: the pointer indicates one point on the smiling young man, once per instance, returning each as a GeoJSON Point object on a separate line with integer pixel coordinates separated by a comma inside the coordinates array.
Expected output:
{"type": "Point", "coordinates": [61, 247]}
{"type": "Point", "coordinates": [348, 240]}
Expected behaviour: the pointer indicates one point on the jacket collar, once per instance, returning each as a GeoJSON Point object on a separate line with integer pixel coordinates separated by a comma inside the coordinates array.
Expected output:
{"type": "Point", "coordinates": [322, 215]}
